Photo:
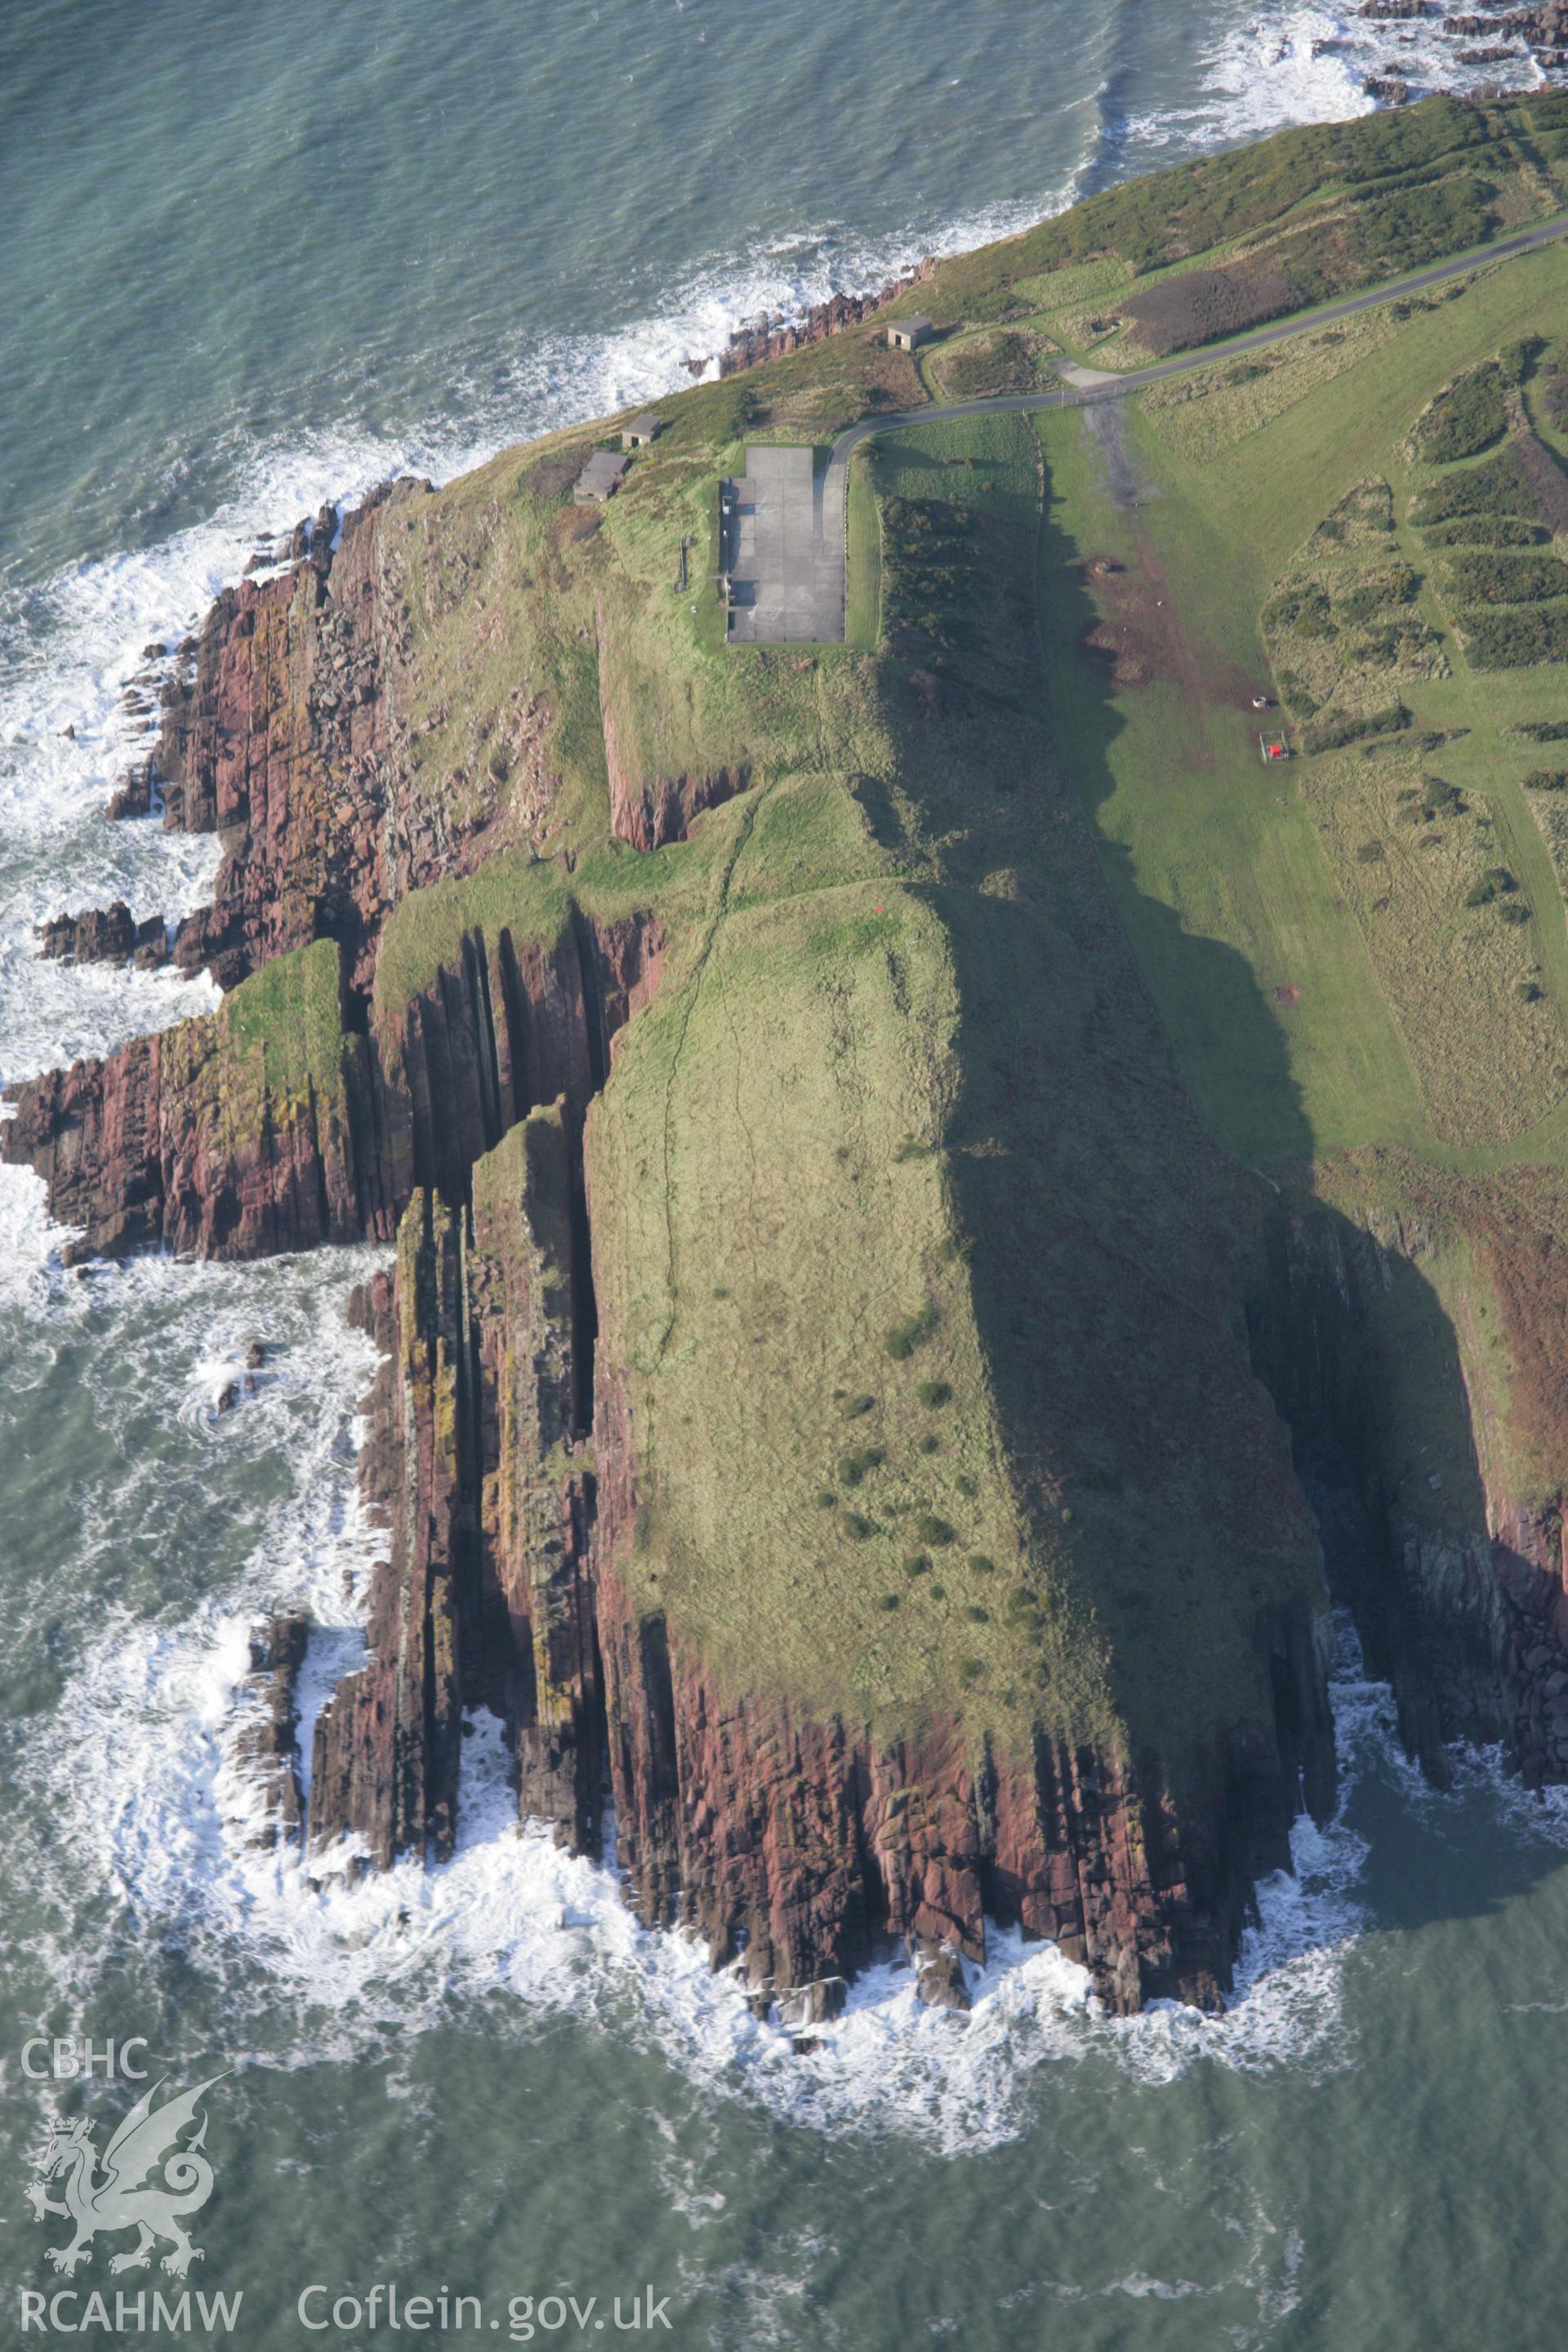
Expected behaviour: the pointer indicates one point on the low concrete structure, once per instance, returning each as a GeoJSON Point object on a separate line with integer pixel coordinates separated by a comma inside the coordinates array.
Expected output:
{"type": "Point", "coordinates": [600, 478]}
{"type": "Point", "coordinates": [783, 540]}
{"type": "Point", "coordinates": [907, 334]}
{"type": "Point", "coordinates": [641, 430]}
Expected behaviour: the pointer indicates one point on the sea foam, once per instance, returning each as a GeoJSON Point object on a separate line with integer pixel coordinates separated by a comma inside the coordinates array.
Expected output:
{"type": "Point", "coordinates": [136, 1768]}
{"type": "Point", "coordinates": [136, 1773]}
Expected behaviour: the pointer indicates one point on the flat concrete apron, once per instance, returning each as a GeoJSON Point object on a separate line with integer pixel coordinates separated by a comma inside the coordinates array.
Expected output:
{"type": "Point", "coordinates": [783, 551]}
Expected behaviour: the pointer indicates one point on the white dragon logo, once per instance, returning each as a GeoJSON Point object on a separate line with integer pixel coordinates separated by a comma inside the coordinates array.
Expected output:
{"type": "Point", "coordinates": [118, 2199]}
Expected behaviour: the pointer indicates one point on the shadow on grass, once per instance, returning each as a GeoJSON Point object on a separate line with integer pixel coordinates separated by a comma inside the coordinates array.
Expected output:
{"type": "Point", "coordinates": [1149, 1310]}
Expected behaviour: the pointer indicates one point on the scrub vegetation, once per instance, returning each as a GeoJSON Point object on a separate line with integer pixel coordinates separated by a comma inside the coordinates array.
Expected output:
{"type": "Point", "coordinates": [1008, 975]}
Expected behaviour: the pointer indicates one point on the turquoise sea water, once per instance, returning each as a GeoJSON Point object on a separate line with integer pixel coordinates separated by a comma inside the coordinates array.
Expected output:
{"type": "Point", "coordinates": [256, 256]}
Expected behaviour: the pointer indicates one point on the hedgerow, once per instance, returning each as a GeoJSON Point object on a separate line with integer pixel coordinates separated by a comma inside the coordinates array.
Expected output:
{"type": "Point", "coordinates": [1467, 417]}
{"type": "Point", "coordinates": [1503, 640]}
{"type": "Point", "coordinates": [1509, 578]}
{"type": "Point", "coordinates": [1494, 488]}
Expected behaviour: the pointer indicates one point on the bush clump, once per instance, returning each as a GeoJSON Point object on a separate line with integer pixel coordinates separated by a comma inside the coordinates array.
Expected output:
{"type": "Point", "coordinates": [1509, 578]}
{"type": "Point", "coordinates": [856, 1527]}
{"type": "Point", "coordinates": [1538, 633]}
{"type": "Point", "coordinates": [1386, 644]}
{"type": "Point", "coordinates": [1468, 416]}
{"type": "Point", "coordinates": [1488, 530]}
{"type": "Point", "coordinates": [981, 1565]}
{"type": "Point", "coordinates": [1514, 913]}
{"type": "Point", "coordinates": [1304, 610]}
{"type": "Point", "coordinates": [1516, 360]}
{"type": "Point", "coordinates": [1495, 883]}
{"type": "Point", "coordinates": [855, 1405]}
{"type": "Point", "coordinates": [918, 1564]}
{"type": "Point", "coordinates": [932, 1530]}
{"type": "Point", "coordinates": [855, 1468]}
{"type": "Point", "coordinates": [1496, 488]}
{"type": "Point", "coordinates": [902, 1339]}
{"type": "Point", "coordinates": [1340, 728]}
{"type": "Point", "coordinates": [888, 1601]}
{"type": "Point", "coordinates": [1541, 731]}
{"type": "Point", "coordinates": [935, 1393]}
{"type": "Point", "coordinates": [1440, 799]}
{"type": "Point", "coordinates": [1376, 596]}
{"type": "Point", "coordinates": [1547, 780]}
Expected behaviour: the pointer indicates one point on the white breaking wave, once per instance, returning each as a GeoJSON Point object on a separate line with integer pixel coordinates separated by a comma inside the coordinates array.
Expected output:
{"type": "Point", "coordinates": [136, 1772]}
{"type": "Point", "coordinates": [136, 1764]}
{"type": "Point", "coordinates": [1294, 64]}
{"type": "Point", "coordinates": [68, 645]}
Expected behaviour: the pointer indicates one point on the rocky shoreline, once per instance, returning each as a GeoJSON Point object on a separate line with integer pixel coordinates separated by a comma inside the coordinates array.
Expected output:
{"type": "Point", "coordinates": [502, 1456]}
{"type": "Point", "coordinates": [798, 1848]}
{"type": "Point", "coordinates": [775, 333]}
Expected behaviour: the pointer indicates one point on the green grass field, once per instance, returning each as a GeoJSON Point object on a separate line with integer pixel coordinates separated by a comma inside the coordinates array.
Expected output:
{"type": "Point", "coordinates": [863, 590]}
{"type": "Point", "coordinates": [926, 1193]}
{"type": "Point", "coordinates": [1206, 850]}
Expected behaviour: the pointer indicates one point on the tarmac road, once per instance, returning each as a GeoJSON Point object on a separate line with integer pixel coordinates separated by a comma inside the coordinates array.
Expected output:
{"type": "Point", "coordinates": [1082, 387]}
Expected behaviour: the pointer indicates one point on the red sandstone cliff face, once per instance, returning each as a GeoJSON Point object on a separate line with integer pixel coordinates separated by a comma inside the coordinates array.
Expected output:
{"type": "Point", "coordinates": [105, 935]}
{"type": "Point", "coordinates": [172, 1142]}
{"type": "Point", "coordinates": [384, 1769]}
{"type": "Point", "coordinates": [801, 1847]}
{"type": "Point", "coordinates": [485, 1598]}
{"type": "Point", "coordinates": [798, 1848]}
{"type": "Point", "coordinates": [1461, 1602]}
{"type": "Point", "coordinates": [166, 1142]}
{"type": "Point", "coordinates": [650, 809]}
{"type": "Point", "coordinates": [268, 1747]}
{"type": "Point", "coordinates": [288, 739]}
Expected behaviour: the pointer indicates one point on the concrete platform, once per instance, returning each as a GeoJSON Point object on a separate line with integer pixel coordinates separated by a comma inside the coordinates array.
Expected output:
{"type": "Point", "coordinates": [783, 551]}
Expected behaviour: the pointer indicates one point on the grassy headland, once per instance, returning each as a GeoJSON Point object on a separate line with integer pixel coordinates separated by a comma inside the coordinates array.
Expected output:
{"type": "Point", "coordinates": [924, 1193]}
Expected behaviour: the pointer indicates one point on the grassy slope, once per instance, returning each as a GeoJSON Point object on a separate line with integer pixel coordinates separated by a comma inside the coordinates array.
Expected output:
{"type": "Point", "coordinates": [1222, 868]}
{"type": "Point", "coordinates": [1335, 207]}
{"type": "Point", "coordinates": [1195, 829]}
{"type": "Point", "coordinates": [926, 1096]}
{"type": "Point", "coordinates": [900, 1066]}
{"type": "Point", "coordinates": [287, 1020]}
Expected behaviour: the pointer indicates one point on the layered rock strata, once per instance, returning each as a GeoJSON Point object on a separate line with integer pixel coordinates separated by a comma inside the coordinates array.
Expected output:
{"type": "Point", "coordinates": [503, 1456]}
{"type": "Point", "coordinates": [1460, 1593]}
{"type": "Point", "coordinates": [267, 1751]}
{"type": "Point", "coordinates": [105, 935]}
{"type": "Point", "coordinates": [474, 1459]}
{"type": "Point", "coordinates": [179, 1141]}
{"type": "Point", "coordinates": [799, 1848]}
{"type": "Point", "coordinates": [189, 1141]}
{"type": "Point", "coordinates": [770, 338]}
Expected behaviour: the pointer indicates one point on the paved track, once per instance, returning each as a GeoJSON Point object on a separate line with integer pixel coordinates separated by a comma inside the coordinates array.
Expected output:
{"type": "Point", "coordinates": [833, 486]}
